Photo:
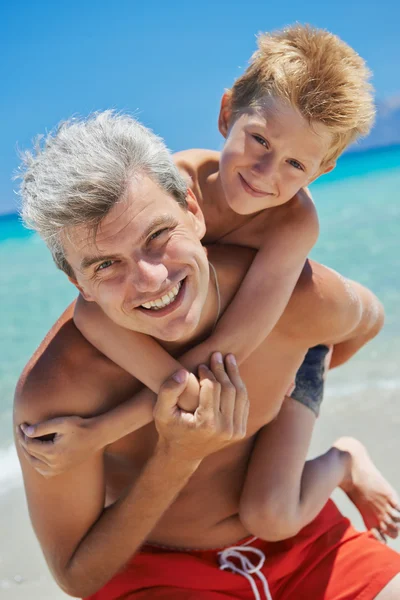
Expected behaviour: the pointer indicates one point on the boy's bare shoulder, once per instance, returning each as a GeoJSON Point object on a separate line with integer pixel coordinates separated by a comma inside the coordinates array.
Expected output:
{"type": "Point", "coordinates": [300, 211]}
{"type": "Point", "coordinates": [195, 158]}
{"type": "Point", "coordinates": [195, 166]}
{"type": "Point", "coordinates": [66, 375]}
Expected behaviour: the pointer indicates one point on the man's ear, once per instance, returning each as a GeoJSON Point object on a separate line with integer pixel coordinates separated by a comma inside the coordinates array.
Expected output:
{"type": "Point", "coordinates": [196, 214]}
{"type": "Point", "coordinates": [225, 113]}
{"type": "Point", "coordinates": [80, 289]}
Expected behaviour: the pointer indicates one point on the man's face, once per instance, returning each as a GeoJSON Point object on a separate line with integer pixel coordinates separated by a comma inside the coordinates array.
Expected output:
{"type": "Point", "coordinates": [269, 154]}
{"type": "Point", "coordinates": [146, 267]}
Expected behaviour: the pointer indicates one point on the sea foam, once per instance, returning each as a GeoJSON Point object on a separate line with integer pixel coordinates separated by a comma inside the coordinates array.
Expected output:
{"type": "Point", "coordinates": [10, 470]}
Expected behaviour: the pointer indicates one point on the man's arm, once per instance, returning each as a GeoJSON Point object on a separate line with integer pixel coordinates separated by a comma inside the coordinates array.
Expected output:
{"type": "Point", "coordinates": [86, 544]}
{"type": "Point", "coordinates": [326, 308]}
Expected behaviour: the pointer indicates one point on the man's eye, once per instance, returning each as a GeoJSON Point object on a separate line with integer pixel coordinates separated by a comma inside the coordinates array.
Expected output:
{"type": "Point", "coordinates": [104, 265]}
{"type": "Point", "coordinates": [296, 164]}
{"type": "Point", "coordinates": [157, 234]}
{"type": "Point", "coordinates": [260, 140]}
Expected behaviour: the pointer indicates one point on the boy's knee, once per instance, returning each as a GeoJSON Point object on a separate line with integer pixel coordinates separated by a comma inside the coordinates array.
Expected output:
{"type": "Point", "coordinates": [266, 523]}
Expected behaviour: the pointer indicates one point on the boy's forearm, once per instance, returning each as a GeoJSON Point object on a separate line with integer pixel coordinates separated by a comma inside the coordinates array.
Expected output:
{"type": "Point", "coordinates": [124, 418]}
{"type": "Point", "coordinates": [125, 525]}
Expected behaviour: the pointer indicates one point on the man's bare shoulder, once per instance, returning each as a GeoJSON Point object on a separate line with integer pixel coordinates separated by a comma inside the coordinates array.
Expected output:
{"type": "Point", "coordinates": [66, 375]}
{"type": "Point", "coordinates": [324, 305]}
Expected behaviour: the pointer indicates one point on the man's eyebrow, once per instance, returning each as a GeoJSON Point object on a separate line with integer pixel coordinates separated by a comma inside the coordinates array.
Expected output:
{"type": "Point", "coordinates": [159, 221]}
{"type": "Point", "coordinates": [88, 261]}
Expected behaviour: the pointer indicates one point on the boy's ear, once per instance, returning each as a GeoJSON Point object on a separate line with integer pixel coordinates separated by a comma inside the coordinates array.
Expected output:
{"type": "Point", "coordinates": [328, 168]}
{"type": "Point", "coordinates": [196, 214]}
{"type": "Point", "coordinates": [80, 289]}
{"type": "Point", "coordinates": [323, 171]}
{"type": "Point", "coordinates": [225, 113]}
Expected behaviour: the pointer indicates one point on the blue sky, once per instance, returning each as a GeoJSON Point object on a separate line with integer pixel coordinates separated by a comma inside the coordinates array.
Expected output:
{"type": "Point", "coordinates": [168, 63]}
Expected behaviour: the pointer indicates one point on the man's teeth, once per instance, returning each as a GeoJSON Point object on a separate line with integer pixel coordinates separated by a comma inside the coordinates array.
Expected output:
{"type": "Point", "coordinates": [165, 300]}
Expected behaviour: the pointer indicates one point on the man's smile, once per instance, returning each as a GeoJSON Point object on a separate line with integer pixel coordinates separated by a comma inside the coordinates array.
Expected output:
{"type": "Point", "coordinates": [167, 303]}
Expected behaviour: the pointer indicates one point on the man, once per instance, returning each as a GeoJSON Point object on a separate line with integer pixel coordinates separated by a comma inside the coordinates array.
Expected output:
{"type": "Point", "coordinates": [100, 192]}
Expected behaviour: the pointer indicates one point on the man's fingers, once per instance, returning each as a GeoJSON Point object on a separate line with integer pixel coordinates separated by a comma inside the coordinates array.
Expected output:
{"type": "Point", "coordinates": [169, 393]}
{"type": "Point", "coordinates": [228, 392]}
{"type": "Point", "coordinates": [242, 406]}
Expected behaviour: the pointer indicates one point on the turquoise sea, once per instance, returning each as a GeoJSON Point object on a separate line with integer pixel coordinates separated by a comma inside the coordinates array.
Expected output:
{"type": "Point", "coordinates": [359, 208]}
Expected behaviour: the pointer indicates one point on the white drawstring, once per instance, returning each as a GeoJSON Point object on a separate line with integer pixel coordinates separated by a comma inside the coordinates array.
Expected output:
{"type": "Point", "coordinates": [248, 569]}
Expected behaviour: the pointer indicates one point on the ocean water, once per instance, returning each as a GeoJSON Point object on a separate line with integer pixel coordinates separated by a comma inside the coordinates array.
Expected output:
{"type": "Point", "coordinates": [359, 208]}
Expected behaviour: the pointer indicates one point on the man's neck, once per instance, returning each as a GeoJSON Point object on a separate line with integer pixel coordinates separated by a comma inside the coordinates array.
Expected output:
{"type": "Point", "coordinates": [205, 325]}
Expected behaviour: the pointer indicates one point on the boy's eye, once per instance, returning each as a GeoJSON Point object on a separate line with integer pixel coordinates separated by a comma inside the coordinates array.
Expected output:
{"type": "Point", "coordinates": [105, 265]}
{"type": "Point", "coordinates": [296, 164]}
{"type": "Point", "coordinates": [260, 140]}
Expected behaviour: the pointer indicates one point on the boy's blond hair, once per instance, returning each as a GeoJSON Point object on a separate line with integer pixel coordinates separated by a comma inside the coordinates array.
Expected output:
{"type": "Point", "coordinates": [319, 74]}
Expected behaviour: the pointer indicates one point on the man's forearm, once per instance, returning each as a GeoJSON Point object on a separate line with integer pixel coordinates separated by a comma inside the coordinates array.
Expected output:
{"type": "Point", "coordinates": [125, 525]}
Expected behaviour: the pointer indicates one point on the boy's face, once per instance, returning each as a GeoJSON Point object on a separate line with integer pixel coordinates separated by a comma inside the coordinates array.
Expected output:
{"type": "Point", "coordinates": [269, 154]}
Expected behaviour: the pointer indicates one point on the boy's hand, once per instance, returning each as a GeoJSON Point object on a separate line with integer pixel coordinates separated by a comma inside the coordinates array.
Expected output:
{"type": "Point", "coordinates": [57, 445]}
{"type": "Point", "coordinates": [219, 420]}
{"type": "Point", "coordinates": [189, 399]}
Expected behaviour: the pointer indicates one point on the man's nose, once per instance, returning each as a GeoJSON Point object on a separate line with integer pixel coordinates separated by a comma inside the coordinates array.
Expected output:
{"type": "Point", "coordinates": [149, 276]}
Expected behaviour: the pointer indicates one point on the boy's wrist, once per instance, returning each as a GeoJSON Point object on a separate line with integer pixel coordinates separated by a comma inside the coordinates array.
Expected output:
{"type": "Point", "coordinates": [100, 431]}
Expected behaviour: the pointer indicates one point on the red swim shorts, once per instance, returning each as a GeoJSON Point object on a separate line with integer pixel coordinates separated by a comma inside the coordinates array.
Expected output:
{"type": "Point", "coordinates": [327, 560]}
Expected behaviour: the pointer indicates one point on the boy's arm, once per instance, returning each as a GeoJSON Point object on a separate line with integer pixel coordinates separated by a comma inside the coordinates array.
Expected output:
{"type": "Point", "coordinates": [134, 352]}
{"type": "Point", "coordinates": [268, 284]}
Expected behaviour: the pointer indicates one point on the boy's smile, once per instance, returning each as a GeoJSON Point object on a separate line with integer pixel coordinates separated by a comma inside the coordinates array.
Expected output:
{"type": "Point", "coordinates": [270, 153]}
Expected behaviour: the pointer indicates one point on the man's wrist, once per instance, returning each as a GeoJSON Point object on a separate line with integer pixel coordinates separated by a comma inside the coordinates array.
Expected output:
{"type": "Point", "coordinates": [175, 458]}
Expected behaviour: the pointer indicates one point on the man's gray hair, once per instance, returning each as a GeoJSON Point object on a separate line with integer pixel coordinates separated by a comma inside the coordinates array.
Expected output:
{"type": "Point", "coordinates": [75, 175]}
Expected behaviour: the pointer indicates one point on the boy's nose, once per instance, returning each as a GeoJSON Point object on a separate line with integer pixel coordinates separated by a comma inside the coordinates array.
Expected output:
{"type": "Point", "coordinates": [267, 169]}
{"type": "Point", "coordinates": [148, 276]}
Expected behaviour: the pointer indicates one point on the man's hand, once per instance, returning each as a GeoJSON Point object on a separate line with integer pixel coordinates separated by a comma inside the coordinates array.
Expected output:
{"type": "Point", "coordinates": [57, 445]}
{"type": "Point", "coordinates": [219, 420]}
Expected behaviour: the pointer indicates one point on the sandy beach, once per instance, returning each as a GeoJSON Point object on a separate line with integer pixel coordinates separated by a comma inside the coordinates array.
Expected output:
{"type": "Point", "coordinates": [24, 574]}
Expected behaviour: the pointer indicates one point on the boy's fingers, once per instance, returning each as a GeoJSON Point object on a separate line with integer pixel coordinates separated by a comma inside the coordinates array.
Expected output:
{"type": "Point", "coordinates": [36, 463]}
{"type": "Point", "coordinates": [44, 428]}
{"type": "Point", "coordinates": [209, 399]}
{"type": "Point", "coordinates": [170, 391]}
{"type": "Point", "coordinates": [36, 448]}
